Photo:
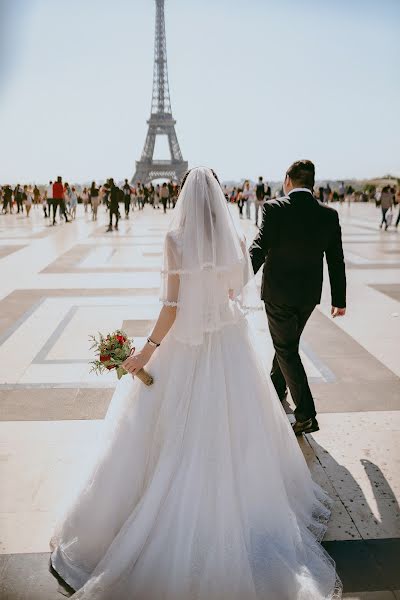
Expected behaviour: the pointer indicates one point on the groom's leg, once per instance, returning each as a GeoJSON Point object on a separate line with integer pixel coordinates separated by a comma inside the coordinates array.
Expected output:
{"type": "Point", "coordinates": [278, 379]}
{"type": "Point", "coordinates": [286, 325]}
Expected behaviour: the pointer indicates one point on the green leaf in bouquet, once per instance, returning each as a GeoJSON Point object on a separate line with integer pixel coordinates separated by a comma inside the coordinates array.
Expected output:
{"type": "Point", "coordinates": [121, 372]}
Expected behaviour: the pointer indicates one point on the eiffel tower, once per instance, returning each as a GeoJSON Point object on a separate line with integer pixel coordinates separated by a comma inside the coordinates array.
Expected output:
{"type": "Point", "coordinates": [161, 121]}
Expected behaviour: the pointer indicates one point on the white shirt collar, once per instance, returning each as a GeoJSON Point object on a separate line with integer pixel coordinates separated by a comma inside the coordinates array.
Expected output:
{"type": "Point", "coordinates": [300, 190]}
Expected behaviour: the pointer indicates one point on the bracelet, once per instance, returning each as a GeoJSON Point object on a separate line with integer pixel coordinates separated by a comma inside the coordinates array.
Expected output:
{"type": "Point", "coordinates": [154, 344]}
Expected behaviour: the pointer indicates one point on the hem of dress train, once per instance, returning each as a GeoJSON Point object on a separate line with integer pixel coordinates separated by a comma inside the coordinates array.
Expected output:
{"type": "Point", "coordinates": [76, 577]}
{"type": "Point", "coordinates": [67, 570]}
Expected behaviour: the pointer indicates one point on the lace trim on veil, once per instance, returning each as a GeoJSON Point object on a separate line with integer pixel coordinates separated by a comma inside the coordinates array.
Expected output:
{"type": "Point", "coordinates": [205, 267]}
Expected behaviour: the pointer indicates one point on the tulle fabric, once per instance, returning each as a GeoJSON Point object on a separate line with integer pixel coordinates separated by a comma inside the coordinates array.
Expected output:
{"type": "Point", "coordinates": [201, 491]}
{"type": "Point", "coordinates": [205, 261]}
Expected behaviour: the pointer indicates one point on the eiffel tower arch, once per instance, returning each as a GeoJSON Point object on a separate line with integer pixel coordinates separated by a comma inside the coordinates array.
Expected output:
{"type": "Point", "coordinates": [161, 121]}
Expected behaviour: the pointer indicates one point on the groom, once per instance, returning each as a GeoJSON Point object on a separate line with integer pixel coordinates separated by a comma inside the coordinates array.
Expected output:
{"type": "Point", "coordinates": [296, 232]}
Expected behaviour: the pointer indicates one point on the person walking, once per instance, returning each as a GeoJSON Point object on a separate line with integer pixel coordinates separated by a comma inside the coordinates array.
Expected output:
{"type": "Point", "coordinates": [126, 188]}
{"type": "Point", "coordinates": [85, 199]}
{"type": "Point", "coordinates": [342, 191]}
{"type": "Point", "coordinates": [296, 232]}
{"type": "Point", "coordinates": [18, 198]}
{"type": "Point", "coordinates": [247, 196]}
{"type": "Point", "coordinates": [146, 194]}
{"type": "Point", "coordinates": [268, 193]}
{"type": "Point", "coordinates": [36, 195]}
{"type": "Point", "coordinates": [151, 194]}
{"type": "Point", "coordinates": [94, 200]}
{"type": "Point", "coordinates": [73, 203]}
{"type": "Point", "coordinates": [156, 204]}
{"type": "Point", "coordinates": [50, 201]}
{"type": "Point", "coordinates": [349, 194]}
{"type": "Point", "coordinates": [28, 196]}
{"type": "Point", "coordinates": [113, 204]}
{"type": "Point", "coordinates": [170, 194]}
{"type": "Point", "coordinates": [175, 193]}
{"type": "Point", "coordinates": [7, 199]}
{"type": "Point", "coordinates": [386, 205]}
{"type": "Point", "coordinates": [240, 201]}
{"type": "Point", "coordinates": [67, 197]}
{"type": "Point", "coordinates": [140, 195]}
{"type": "Point", "coordinates": [327, 193]}
{"type": "Point", "coordinates": [164, 193]}
{"type": "Point", "coordinates": [134, 199]}
{"type": "Point", "coordinates": [58, 199]}
{"type": "Point", "coordinates": [260, 196]}
{"type": "Point", "coordinates": [57, 194]}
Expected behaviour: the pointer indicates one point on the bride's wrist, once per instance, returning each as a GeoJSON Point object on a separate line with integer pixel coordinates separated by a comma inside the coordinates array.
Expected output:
{"type": "Point", "coordinates": [148, 348]}
{"type": "Point", "coordinates": [152, 343]}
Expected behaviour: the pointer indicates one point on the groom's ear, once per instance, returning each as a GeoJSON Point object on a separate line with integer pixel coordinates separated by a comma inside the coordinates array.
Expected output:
{"type": "Point", "coordinates": [286, 182]}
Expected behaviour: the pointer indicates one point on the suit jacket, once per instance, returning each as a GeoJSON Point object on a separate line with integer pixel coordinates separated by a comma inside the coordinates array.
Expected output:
{"type": "Point", "coordinates": [113, 199]}
{"type": "Point", "coordinates": [296, 232]}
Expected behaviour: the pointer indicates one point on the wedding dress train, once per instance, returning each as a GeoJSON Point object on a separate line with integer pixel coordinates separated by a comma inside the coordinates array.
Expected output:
{"type": "Point", "coordinates": [201, 492]}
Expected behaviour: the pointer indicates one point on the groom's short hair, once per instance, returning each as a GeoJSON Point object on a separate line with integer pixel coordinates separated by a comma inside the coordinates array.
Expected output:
{"type": "Point", "coordinates": [302, 173]}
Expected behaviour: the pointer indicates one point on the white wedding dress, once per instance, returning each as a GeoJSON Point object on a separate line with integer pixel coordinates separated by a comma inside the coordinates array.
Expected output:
{"type": "Point", "coordinates": [201, 491]}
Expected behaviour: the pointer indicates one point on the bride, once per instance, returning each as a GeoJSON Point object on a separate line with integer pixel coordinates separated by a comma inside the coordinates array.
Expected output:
{"type": "Point", "coordinates": [201, 491]}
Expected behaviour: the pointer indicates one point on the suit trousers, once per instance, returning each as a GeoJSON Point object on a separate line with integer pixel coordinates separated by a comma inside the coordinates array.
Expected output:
{"type": "Point", "coordinates": [286, 324]}
{"type": "Point", "coordinates": [53, 205]}
{"type": "Point", "coordinates": [115, 212]}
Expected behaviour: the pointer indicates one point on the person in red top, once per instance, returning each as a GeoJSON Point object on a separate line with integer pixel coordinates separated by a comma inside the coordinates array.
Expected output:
{"type": "Point", "coordinates": [58, 198]}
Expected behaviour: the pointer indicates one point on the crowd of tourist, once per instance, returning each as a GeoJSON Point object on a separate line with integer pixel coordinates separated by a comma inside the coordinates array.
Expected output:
{"type": "Point", "coordinates": [247, 195]}
{"type": "Point", "coordinates": [59, 200]}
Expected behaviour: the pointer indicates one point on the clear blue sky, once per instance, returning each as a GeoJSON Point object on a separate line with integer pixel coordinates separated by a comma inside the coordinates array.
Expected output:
{"type": "Point", "coordinates": [255, 84]}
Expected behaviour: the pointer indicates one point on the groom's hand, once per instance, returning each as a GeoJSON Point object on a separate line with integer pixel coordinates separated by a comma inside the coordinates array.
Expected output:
{"type": "Point", "coordinates": [337, 312]}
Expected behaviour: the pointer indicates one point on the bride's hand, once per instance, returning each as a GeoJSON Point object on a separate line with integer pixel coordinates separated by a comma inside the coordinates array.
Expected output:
{"type": "Point", "coordinates": [134, 363]}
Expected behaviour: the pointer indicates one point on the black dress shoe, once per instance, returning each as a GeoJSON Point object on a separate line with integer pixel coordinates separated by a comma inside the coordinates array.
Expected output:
{"type": "Point", "coordinates": [308, 426]}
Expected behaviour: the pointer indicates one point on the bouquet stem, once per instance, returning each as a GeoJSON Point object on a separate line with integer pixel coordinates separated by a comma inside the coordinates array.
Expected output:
{"type": "Point", "coordinates": [145, 377]}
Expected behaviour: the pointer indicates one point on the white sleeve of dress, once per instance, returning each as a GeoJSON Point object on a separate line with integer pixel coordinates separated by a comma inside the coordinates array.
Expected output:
{"type": "Point", "coordinates": [169, 294]}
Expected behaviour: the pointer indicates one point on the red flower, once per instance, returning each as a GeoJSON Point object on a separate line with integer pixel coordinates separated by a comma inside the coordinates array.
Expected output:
{"type": "Point", "coordinates": [121, 339]}
{"type": "Point", "coordinates": [104, 357]}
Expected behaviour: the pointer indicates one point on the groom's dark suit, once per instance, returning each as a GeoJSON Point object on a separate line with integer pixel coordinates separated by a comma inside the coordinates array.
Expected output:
{"type": "Point", "coordinates": [296, 232]}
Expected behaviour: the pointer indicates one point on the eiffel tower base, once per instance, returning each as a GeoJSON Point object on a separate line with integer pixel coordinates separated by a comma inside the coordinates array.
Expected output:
{"type": "Point", "coordinates": [147, 171]}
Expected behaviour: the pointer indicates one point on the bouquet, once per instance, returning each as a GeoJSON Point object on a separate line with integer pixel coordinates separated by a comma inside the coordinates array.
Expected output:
{"type": "Point", "coordinates": [111, 351]}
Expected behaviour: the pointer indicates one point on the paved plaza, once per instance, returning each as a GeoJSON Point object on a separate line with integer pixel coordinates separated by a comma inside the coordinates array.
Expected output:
{"type": "Point", "coordinates": [60, 284]}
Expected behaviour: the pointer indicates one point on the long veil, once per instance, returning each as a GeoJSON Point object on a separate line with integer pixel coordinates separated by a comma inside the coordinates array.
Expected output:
{"type": "Point", "coordinates": [207, 270]}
